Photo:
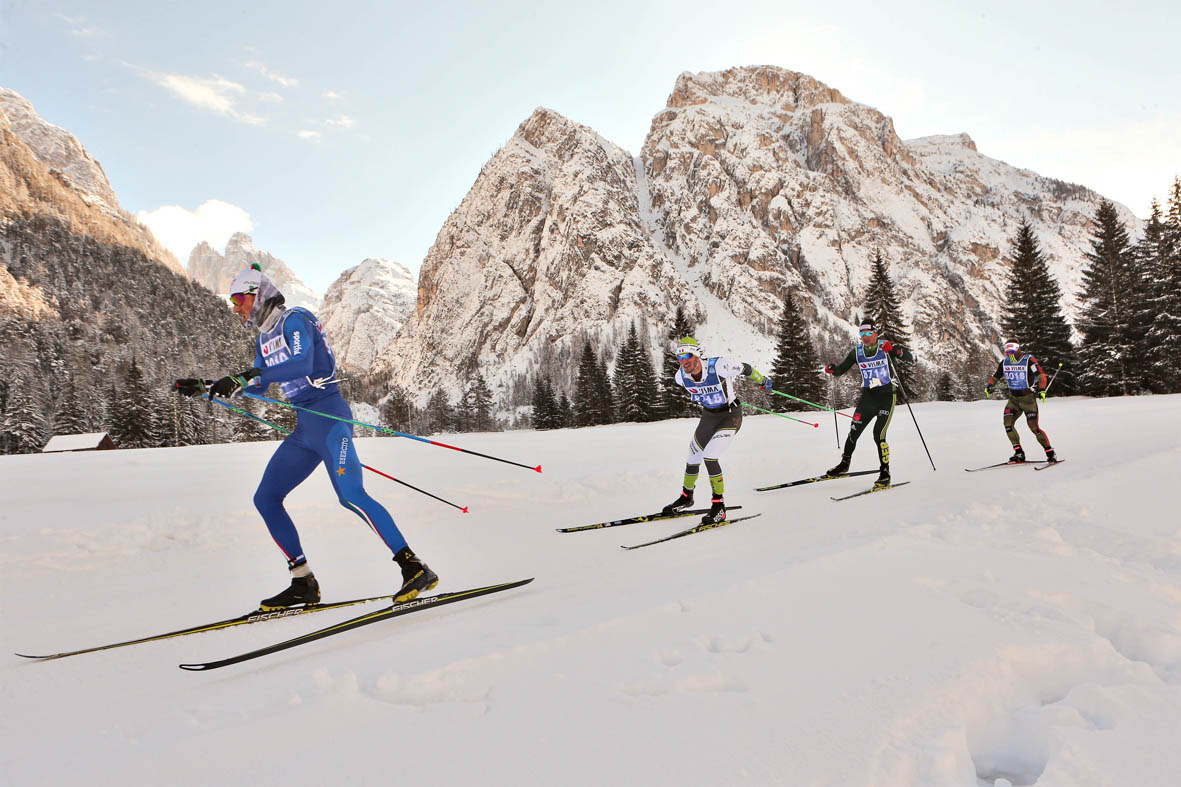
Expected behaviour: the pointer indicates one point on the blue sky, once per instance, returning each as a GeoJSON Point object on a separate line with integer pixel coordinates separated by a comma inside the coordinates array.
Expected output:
{"type": "Point", "coordinates": [336, 135]}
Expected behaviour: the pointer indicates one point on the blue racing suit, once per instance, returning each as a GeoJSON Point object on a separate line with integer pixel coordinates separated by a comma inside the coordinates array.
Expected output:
{"type": "Point", "coordinates": [295, 355]}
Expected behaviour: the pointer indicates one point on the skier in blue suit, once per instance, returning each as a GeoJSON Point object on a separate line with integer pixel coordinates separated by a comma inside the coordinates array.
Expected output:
{"type": "Point", "coordinates": [293, 352]}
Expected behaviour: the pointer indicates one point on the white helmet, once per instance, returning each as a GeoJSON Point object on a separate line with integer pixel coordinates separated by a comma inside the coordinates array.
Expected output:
{"type": "Point", "coordinates": [248, 281]}
{"type": "Point", "coordinates": [1012, 348]}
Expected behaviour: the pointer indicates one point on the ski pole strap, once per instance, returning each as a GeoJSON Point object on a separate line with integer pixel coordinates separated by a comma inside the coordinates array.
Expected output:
{"type": "Point", "coordinates": [781, 415]}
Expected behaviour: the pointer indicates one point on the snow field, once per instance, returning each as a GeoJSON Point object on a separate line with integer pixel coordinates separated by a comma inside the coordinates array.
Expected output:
{"type": "Point", "coordinates": [1009, 626]}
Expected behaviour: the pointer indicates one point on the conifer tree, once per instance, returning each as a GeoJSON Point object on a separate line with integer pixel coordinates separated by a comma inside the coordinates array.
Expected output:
{"type": "Point", "coordinates": [397, 412]}
{"type": "Point", "coordinates": [132, 418]}
{"type": "Point", "coordinates": [1106, 355]}
{"type": "Point", "coordinates": [23, 427]}
{"type": "Point", "coordinates": [586, 389]}
{"type": "Point", "coordinates": [71, 416]}
{"type": "Point", "coordinates": [1158, 256]}
{"type": "Point", "coordinates": [478, 405]}
{"type": "Point", "coordinates": [1033, 311]}
{"type": "Point", "coordinates": [439, 414]}
{"type": "Point", "coordinates": [565, 417]}
{"type": "Point", "coordinates": [623, 380]}
{"type": "Point", "coordinates": [676, 403]}
{"type": "Point", "coordinates": [545, 408]}
{"type": "Point", "coordinates": [883, 306]}
{"type": "Point", "coordinates": [651, 405]}
{"type": "Point", "coordinates": [795, 369]}
{"type": "Point", "coordinates": [606, 397]}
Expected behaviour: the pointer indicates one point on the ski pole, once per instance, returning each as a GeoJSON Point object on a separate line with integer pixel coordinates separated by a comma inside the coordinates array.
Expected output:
{"type": "Point", "coordinates": [278, 428]}
{"type": "Point", "coordinates": [1052, 379]}
{"type": "Point", "coordinates": [781, 415]}
{"type": "Point", "coordinates": [805, 401]}
{"type": "Point", "coordinates": [835, 428]}
{"type": "Point", "coordinates": [388, 431]}
{"type": "Point", "coordinates": [905, 397]}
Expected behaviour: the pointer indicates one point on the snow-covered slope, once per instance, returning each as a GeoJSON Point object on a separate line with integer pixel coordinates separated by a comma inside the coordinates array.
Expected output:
{"type": "Point", "coordinates": [752, 182]}
{"type": "Point", "coordinates": [216, 271]}
{"type": "Point", "coordinates": [365, 308]}
{"type": "Point", "coordinates": [964, 629]}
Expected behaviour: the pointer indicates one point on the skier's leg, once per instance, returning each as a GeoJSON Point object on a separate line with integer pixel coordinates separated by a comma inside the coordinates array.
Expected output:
{"type": "Point", "coordinates": [1029, 405]}
{"type": "Point", "coordinates": [344, 468]}
{"type": "Point", "coordinates": [291, 463]}
{"type": "Point", "coordinates": [1012, 408]}
{"type": "Point", "coordinates": [885, 414]}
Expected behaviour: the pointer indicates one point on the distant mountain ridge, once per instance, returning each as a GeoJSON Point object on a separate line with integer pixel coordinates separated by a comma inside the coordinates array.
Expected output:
{"type": "Point", "coordinates": [752, 182]}
{"type": "Point", "coordinates": [365, 308]}
{"type": "Point", "coordinates": [216, 271]}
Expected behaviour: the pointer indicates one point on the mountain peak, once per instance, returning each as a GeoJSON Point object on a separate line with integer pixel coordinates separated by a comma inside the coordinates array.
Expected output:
{"type": "Point", "coordinates": [769, 85]}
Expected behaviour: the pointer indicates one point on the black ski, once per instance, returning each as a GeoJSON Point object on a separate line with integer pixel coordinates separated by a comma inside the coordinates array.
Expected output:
{"type": "Point", "coordinates": [397, 610]}
{"type": "Point", "coordinates": [1002, 464]}
{"type": "Point", "coordinates": [813, 480]}
{"type": "Point", "coordinates": [637, 519]}
{"type": "Point", "coordinates": [1050, 464]}
{"type": "Point", "coordinates": [871, 490]}
{"type": "Point", "coordinates": [258, 616]}
{"type": "Point", "coordinates": [698, 529]}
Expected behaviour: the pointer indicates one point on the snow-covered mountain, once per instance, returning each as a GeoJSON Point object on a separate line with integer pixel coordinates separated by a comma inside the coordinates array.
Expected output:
{"type": "Point", "coordinates": [70, 167]}
{"type": "Point", "coordinates": [365, 308]}
{"type": "Point", "coordinates": [216, 271]}
{"type": "Point", "coordinates": [752, 182]}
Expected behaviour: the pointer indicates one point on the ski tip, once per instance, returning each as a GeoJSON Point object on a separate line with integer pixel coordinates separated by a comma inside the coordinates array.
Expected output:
{"type": "Point", "coordinates": [27, 656]}
{"type": "Point", "coordinates": [538, 468]}
{"type": "Point", "coordinates": [194, 667]}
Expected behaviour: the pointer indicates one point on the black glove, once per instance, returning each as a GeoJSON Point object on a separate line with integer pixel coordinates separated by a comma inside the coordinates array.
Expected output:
{"type": "Point", "coordinates": [190, 386]}
{"type": "Point", "coordinates": [232, 384]}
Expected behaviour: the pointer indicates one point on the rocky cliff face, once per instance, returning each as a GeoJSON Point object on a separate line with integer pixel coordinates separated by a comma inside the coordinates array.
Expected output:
{"type": "Point", "coordinates": [752, 182]}
{"type": "Point", "coordinates": [365, 308]}
{"type": "Point", "coordinates": [216, 271]}
{"type": "Point", "coordinates": [548, 246]}
{"type": "Point", "coordinates": [46, 169]}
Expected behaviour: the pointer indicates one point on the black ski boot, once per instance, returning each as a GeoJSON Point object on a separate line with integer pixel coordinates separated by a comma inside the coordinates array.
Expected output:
{"type": "Point", "coordinates": [883, 478]}
{"type": "Point", "coordinates": [1018, 455]}
{"type": "Point", "coordinates": [682, 502]}
{"type": "Point", "coordinates": [841, 468]}
{"type": "Point", "coordinates": [304, 591]}
{"type": "Point", "coordinates": [1051, 457]}
{"type": "Point", "coordinates": [717, 512]}
{"type": "Point", "coordinates": [416, 575]}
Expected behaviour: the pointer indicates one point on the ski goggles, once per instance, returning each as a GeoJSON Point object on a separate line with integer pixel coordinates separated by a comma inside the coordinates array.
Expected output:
{"type": "Point", "coordinates": [685, 356]}
{"type": "Point", "coordinates": [868, 332]}
{"type": "Point", "coordinates": [238, 298]}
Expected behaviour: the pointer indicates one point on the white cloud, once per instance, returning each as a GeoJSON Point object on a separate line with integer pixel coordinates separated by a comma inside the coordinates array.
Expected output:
{"type": "Point", "coordinates": [270, 97]}
{"type": "Point", "coordinates": [344, 121]}
{"type": "Point", "coordinates": [313, 136]}
{"type": "Point", "coordinates": [215, 94]}
{"type": "Point", "coordinates": [180, 230]}
{"type": "Point", "coordinates": [331, 95]}
{"type": "Point", "coordinates": [274, 76]}
{"type": "Point", "coordinates": [80, 28]}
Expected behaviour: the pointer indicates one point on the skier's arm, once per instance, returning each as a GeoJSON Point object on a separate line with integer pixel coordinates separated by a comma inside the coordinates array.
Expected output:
{"type": "Point", "coordinates": [301, 351]}
{"type": "Point", "coordinates": [1034, 366]}
{"type": "Point", "coordinates": [727, 368]}
{"type": "Point", "coordinates": [1000, 371]}
{"type": "Point", "coordinates": [846, 364]}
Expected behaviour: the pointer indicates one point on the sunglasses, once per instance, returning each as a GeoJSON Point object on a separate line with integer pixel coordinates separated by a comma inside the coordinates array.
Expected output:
{"type": "Point", "coordinates": [685, 356]}
{"type": "Point", "coordinates": [867, 333]}
{"type": "Point", "coordinates": [238, 298]}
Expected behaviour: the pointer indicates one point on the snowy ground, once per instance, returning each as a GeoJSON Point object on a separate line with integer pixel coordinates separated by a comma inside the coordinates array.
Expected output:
{"type": "Point", "coordinates": [967, 629]}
